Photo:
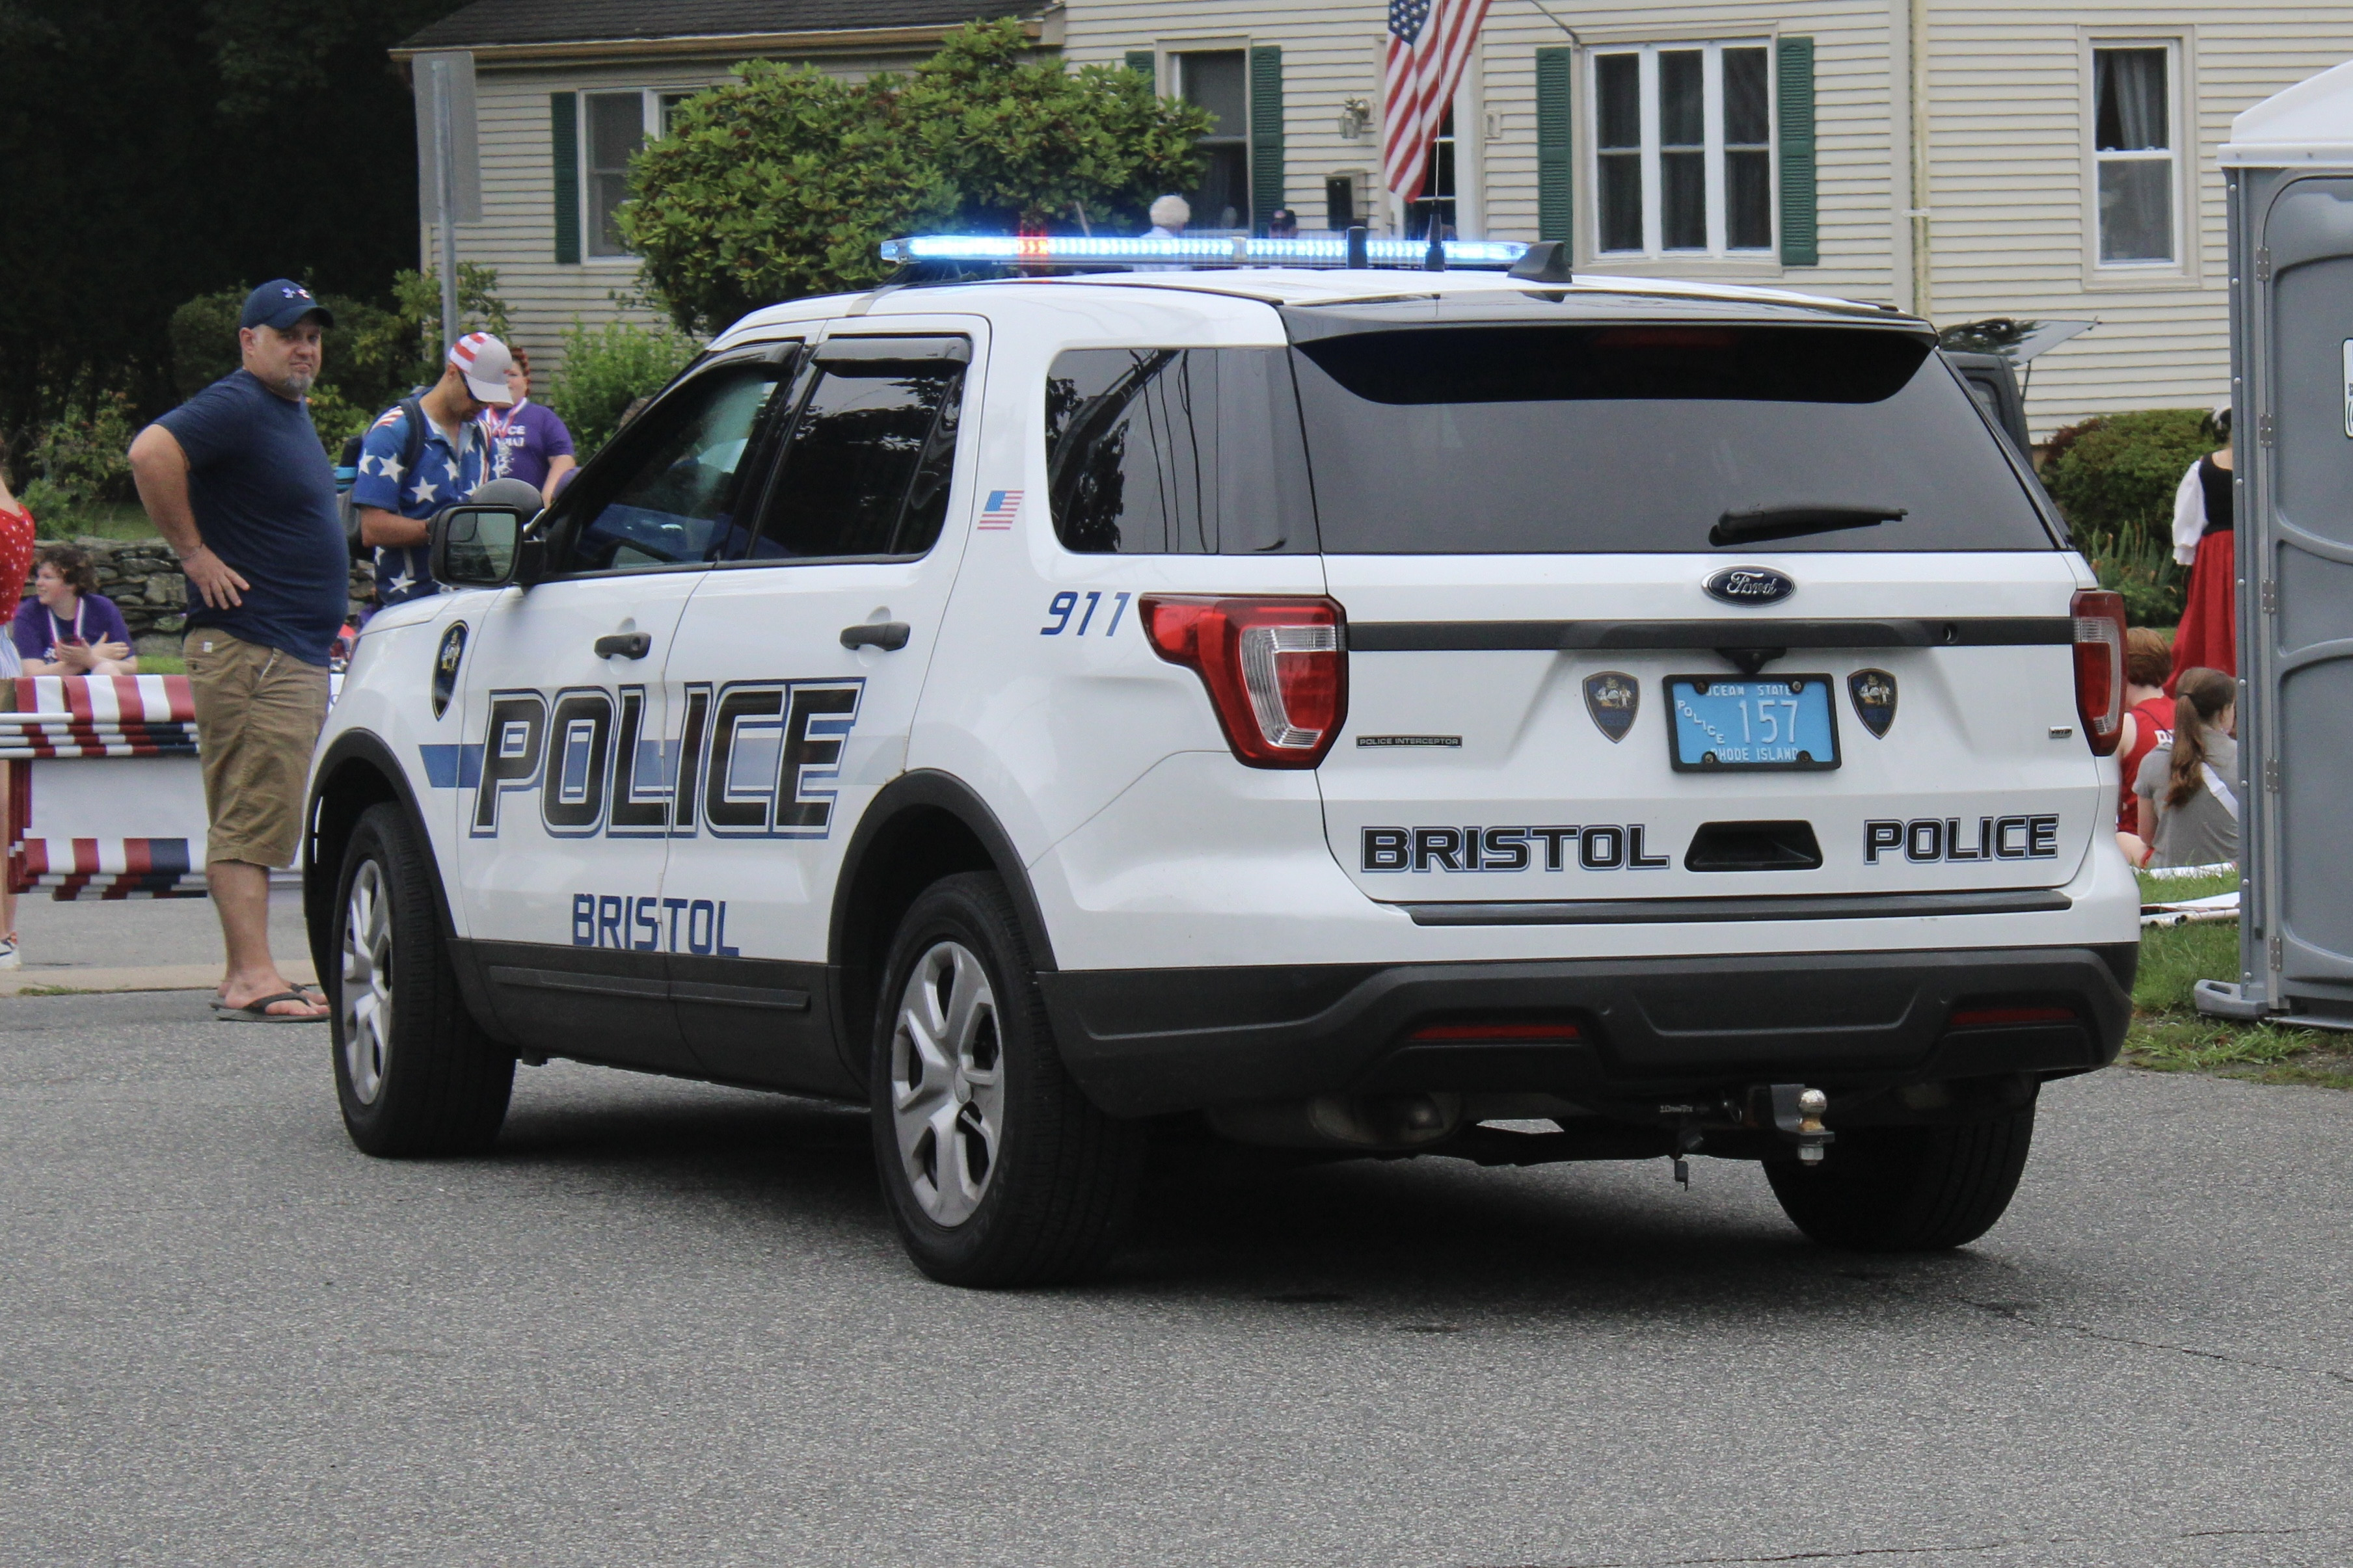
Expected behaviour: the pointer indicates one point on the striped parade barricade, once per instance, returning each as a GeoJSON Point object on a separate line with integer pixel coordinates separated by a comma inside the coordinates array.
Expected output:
{"type": "Point", "coordinates": [106, 794]}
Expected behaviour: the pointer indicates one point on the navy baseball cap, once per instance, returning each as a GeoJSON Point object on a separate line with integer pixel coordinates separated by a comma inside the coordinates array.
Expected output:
{"type": "Point", "coordinates": [281, 302]}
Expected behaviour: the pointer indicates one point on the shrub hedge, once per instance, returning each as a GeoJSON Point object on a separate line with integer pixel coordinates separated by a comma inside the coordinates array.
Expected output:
{"type": "Point", "coordinates": [2114, 478]}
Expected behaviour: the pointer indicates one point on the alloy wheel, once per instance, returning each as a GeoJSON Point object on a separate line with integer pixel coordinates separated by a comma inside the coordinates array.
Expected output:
{"type": "Point", "coordinates": [947, 1082]}
{"type": "Point", "coordinates": [366, 1000]}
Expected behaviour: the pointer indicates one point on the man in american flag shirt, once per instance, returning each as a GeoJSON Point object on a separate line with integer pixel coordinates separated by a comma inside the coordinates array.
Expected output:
{"type": "Point", "coordinates": [396, 498]}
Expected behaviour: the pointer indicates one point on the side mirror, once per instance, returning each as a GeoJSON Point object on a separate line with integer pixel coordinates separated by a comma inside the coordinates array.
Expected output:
{"type": "Point", "coordinates": [476, 545]}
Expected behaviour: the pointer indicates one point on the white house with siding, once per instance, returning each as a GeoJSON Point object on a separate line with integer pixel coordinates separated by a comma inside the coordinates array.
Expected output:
{"type": "Point", "coordinates": [1965, 162]}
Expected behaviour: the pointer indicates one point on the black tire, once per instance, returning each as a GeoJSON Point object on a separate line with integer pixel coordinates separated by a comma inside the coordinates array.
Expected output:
{"type": "Point", "coordinates": [431, 1081]}
{"type": "Point", "coordinates": [1040, 1196]}
{"type": "Point", "coordinates": [1907, 1189]}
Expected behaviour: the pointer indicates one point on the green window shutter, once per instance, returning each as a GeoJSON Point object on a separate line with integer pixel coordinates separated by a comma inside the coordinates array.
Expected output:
{"type": "Point", "coordinates": [1800, 244]}
{"type": "Point", "coordinates": [1265, 132]}
{"type": "Point", "coordinates": [564, 131]}
{"type": "Point", "coordinates": [1555, 144]}
{"type": "Point", "coordinates": [1141, 62]}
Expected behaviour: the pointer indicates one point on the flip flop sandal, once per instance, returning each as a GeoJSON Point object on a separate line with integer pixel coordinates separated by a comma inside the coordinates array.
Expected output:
{"type": "Point", "coordinates": [307, 993]}
{"type": "Point", "coordinates": [258, 1011]}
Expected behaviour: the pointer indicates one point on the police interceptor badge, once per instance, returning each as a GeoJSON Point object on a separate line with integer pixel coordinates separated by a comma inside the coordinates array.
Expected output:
{"type": "Point", "coordinates": [445, 666]}
{"type": "Point", "coordinates": [1613, 700]}
{"type": "Point", "coordinates": [1874, 691]}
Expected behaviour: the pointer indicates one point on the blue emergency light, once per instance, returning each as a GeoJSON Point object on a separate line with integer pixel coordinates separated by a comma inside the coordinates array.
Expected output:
{"type": "Point", "coordinates": [1186, 250]}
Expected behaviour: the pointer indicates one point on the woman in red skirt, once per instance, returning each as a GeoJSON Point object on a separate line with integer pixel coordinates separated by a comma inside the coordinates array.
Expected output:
{"type": "Point", "coordinates": [2204, 540]}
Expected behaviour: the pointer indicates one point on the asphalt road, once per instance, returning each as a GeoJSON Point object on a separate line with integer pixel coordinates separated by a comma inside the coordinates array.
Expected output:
{"type": "Point", "coordinates": [665, 1323]}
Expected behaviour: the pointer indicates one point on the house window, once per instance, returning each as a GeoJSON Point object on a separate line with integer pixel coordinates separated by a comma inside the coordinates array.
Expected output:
{"type": "Point", "coordinates": [614, 131]}
{"type": "Point", "coordinates": [2132, 153]}
{"type": "Point", "coordinates": [1683, 149]}
{"type": "Point", "coordinates": [1216, 80]}
{"type": "Point", "coordinates": [1436, 202]}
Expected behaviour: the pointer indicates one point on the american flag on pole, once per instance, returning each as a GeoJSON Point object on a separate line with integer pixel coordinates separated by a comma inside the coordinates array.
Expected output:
{"type": "Point", "coordinates": [1421, 64]}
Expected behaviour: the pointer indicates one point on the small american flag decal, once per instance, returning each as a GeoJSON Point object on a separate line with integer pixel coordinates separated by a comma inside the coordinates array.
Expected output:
{"type": "Point", "coordinates": [1000, 509]}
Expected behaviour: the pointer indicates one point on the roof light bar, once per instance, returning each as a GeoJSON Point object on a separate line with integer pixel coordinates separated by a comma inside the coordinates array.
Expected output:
{"type": "Point", "coordinates": [1236, 250]}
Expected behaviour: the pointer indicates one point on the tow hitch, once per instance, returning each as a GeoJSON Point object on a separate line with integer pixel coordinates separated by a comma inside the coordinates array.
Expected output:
{"type": "Point", "coordinates": [1795, 1110]}
{"type": "Point", "coordinates": [1798, 1116]}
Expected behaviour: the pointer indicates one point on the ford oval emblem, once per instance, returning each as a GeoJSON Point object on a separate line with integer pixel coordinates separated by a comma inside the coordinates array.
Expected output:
{"type": "Point", "coordinates": [1750, 585]}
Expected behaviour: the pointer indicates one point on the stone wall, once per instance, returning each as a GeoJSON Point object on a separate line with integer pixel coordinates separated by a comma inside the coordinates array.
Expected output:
{"type": "Point", "coordinates": [143, 578]}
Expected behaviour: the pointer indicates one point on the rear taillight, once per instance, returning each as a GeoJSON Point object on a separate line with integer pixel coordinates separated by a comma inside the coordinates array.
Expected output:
{"type": "Point", "coordinates": [2100, 668]}
{"type": "Point", "coordinates": [1276, 670]}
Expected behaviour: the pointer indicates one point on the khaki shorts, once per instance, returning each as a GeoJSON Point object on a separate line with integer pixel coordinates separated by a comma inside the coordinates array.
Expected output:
{"type": "Point", "coordinates": [258, 714]}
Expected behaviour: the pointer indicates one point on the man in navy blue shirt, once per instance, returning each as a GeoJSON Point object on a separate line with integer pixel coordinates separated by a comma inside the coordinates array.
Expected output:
{"type": "Point", "coordinates": [237, 481]}
{"type": "Point", "coordinates": [396, 498]}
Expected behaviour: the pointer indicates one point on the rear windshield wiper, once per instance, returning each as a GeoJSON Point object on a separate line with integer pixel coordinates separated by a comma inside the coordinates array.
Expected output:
{"type": "Point", "coordinates": [1789, 521]}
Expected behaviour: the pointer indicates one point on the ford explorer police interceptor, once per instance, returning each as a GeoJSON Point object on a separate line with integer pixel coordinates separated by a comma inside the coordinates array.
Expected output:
{"type": "Point", "coordinates": [1347, 709]}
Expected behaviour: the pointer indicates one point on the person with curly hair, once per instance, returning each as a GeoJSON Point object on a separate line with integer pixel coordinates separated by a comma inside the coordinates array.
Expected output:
{"type": "Point", "coordinates": [68, 627]}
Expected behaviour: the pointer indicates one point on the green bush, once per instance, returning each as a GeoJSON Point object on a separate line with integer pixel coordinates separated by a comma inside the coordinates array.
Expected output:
{"type": "Point", "coordinates": [2115, 476]}
{"type": "Point", "coordinates": [608, 368]}
{"type": "Point", "coordinates": [2142, 569]}
{"type": "Point", "coordinates": [85, 457]}
{"type": "Point", "coordinates": [784, 181]}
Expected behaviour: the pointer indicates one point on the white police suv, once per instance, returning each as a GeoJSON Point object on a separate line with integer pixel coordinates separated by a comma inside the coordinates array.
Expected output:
{"type": "Point", "coordinates": [1347, 709]}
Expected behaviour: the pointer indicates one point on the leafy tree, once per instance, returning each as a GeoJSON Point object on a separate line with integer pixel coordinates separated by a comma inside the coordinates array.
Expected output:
{"type": "Point", "coordinates": [784, 181]}
{"type": "Point", "coordinates": [376, 353]}
{"type": "Point", "coordinates": [778, 184]}
{"type": "Point", "coordinates": [1027, 140]}
{"type": "Point", "coordinates": [160, 149]}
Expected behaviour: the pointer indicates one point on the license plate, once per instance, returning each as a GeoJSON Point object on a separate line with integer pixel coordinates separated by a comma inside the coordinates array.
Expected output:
{"type": "Point", "coordinates": [1753, 724]}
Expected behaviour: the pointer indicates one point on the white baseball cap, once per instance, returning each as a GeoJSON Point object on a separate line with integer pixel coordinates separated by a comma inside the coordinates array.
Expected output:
{"type": "Point", "coordinates": [483, 361]}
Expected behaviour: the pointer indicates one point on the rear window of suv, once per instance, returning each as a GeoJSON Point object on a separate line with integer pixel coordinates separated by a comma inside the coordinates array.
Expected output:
{"type": "Point", "coordinates": [1552, 438]}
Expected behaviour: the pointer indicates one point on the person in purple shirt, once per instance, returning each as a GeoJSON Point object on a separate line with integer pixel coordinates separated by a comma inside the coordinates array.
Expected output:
{"type": "Point", "coordinates": [69, 627]}
{"type": "Point", "coordinates": [527, 441]}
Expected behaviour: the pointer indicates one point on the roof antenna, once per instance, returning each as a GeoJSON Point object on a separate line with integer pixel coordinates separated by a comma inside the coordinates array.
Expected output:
{"type": "Point", "coordinates": [1434, 258]}
{"type": "Point", "coordinates": [1546, 261]}
{"type": "Point", "coordinates": [1359, 249]}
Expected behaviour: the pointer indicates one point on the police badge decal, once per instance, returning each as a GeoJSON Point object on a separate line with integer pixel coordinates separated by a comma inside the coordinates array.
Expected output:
{"type": "Point", "coordinates": [1874, 691]}
{"type": "Point", "coordinates": [445, 666]}
{"type": "Point", "coordinates": [1612, 699]}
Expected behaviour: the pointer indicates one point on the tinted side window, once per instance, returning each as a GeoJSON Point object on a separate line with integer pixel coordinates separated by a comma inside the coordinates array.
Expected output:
{"type": "Point", "coordinates": [679, 486]}
{"type": "Point", "coordinates": [1177, 451]}
{"type": "Point", "coordinates": [866, 469]}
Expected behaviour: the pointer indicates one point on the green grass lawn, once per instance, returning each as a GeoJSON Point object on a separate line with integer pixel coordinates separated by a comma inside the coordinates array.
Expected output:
{"type": "Point", "coordinates": [107, 520]}
{"type": "Point", "coordinates": [2169, 1035]}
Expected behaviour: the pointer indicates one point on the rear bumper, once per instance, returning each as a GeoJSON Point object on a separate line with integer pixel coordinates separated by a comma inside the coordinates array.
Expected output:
{"type": "Point", "coordinates": [1145, 1042]}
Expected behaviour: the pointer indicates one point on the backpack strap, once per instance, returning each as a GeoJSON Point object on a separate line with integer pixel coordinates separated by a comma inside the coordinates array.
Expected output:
{"type": "Point", "coordinates": [412, 428]}
{"type": "Point", "coordinates": [2221, 791]}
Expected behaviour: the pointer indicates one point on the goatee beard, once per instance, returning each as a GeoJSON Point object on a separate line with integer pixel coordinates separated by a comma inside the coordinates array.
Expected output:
{"type": "Point", "coordinates": [297, 382]}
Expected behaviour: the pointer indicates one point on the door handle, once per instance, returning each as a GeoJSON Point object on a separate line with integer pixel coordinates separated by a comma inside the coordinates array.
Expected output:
{"type": "Point", "coordinates": [627, 645]}
{"type": "Point", "coordinates": [888, 636]}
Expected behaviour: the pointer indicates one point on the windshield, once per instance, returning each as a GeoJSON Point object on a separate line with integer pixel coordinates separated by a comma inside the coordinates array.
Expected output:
{"type": "Point", "coordinates": [1543, 439]}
